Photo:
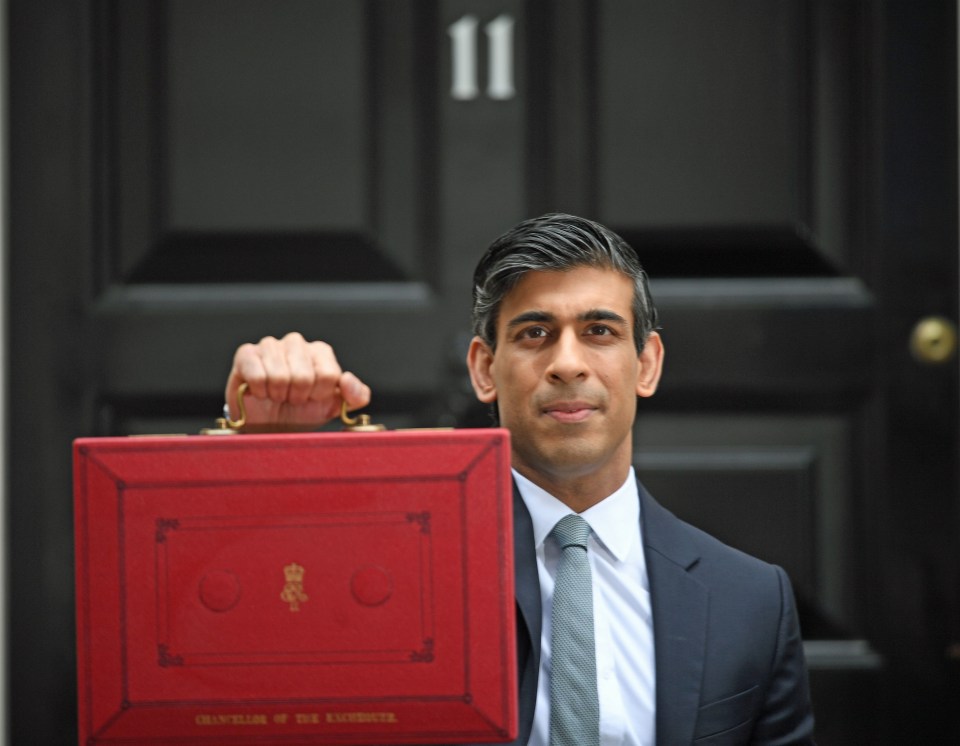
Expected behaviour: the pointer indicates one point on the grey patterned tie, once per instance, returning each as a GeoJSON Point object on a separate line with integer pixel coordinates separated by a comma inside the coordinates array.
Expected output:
{"type": "Point", "coordinates": [574, 707]}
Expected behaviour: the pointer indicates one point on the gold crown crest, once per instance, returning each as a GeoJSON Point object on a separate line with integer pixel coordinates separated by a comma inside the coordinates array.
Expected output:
{"type": "Point", "coordinates": [294, 573]}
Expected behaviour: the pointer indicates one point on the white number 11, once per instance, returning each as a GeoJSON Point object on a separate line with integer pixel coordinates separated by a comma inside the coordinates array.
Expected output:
{"type": "Point", "coordinates": [463, 34]}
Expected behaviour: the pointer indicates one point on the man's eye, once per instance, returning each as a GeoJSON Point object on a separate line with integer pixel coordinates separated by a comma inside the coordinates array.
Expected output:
{"type": "Point", "coordinates": [600, 330]}
{"type": "Point", "coordinates": [534, 332]}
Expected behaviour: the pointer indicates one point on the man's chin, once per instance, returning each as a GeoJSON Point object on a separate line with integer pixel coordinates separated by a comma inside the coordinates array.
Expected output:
{"type": "Point", "coordinates": [566, 462]}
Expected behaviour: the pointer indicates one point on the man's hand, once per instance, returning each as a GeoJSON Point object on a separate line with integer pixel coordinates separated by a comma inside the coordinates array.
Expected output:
{"type": "Point", "coordinates": [292, 382]}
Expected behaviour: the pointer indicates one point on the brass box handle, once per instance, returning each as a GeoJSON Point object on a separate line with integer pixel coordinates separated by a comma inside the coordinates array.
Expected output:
{"type": "Point", "coordinates": [226, 426]}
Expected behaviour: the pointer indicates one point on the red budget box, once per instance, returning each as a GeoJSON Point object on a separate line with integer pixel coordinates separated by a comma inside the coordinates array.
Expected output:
{"type": "Point", "coordinates": [292, 589]}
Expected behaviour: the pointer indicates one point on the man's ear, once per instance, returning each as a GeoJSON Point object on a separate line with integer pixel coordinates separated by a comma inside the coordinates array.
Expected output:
{"type": "Point", "coordinates": [650, 365]}
{"type": "Point", "coordinates": [480, 364]}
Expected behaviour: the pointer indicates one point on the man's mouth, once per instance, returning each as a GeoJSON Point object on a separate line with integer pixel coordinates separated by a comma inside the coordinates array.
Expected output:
{"type": "Point", "coordinates": [569, 412]}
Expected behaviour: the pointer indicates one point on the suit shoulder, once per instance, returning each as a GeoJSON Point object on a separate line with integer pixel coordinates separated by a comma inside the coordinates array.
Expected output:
{"type": "Point", "coordinates": [705, 555]}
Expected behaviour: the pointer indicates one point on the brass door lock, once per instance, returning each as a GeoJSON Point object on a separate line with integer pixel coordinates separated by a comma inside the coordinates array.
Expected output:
{"type": "Point", "coordinates": [934, 340]}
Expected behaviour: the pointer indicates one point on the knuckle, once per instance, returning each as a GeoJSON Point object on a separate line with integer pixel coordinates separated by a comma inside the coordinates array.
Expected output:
{"type": "Point", "coordinates": [245, 353]}
{"type": "Point", "coordinates": [301, 380]}
{"type": "Point", "coordinates": [323, 348]}
{"type": "Point", "coordinates": [325, 380]}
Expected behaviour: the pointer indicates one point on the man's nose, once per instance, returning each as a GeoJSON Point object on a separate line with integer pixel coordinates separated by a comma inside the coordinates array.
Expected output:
{"type": "Point", "coordinates": [568, 362]}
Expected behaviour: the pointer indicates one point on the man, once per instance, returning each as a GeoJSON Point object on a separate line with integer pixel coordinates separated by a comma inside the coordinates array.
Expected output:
{"type": "Point", "coordinates": [692, 641]}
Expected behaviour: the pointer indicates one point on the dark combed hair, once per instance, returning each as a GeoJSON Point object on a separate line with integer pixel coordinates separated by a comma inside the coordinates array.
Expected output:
{"type": "Point", "coordinates": [556, 243]}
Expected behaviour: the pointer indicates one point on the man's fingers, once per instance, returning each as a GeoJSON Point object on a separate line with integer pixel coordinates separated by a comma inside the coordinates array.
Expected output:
{"type": "Point", "coordinates": [301, 369]}
{"type": "Point", "coordinates": [354, 391]}
{"type": "Point", "coordinates": [248, 368]}
{"type": "Point", "coordinates": [273, 356]}
{"type": "Point", "coordinates": [326, 375]}
{"type": "Point", "coordinates": [294, 381]}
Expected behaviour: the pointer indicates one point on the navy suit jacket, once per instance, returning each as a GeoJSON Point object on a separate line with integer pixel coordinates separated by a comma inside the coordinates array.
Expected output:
{"type": "Point", "coordinates": [729, 659]}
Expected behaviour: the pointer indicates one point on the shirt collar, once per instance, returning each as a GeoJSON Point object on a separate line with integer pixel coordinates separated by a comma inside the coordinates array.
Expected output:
{"type": "Point", "coordinates": [614, 519]}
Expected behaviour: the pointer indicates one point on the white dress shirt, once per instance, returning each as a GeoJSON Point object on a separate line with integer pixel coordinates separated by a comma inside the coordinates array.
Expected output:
{"type": "Point", "coordinates": [623, 624]}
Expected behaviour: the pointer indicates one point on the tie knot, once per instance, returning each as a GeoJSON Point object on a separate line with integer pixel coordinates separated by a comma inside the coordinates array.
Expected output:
{"type": "Point", "coordinates": [571, 530]}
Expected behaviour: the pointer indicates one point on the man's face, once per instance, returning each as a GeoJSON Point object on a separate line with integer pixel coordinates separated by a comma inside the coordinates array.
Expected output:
{"type": "Point", "coordinates": [565, 374]}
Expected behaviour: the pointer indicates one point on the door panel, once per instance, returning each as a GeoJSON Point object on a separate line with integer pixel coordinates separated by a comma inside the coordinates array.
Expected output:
{"type": "Point", "coordinates": [262, 149]}
{"type": "Point", "coordinates": [707, 104]}
{"type": "Point", "coordinates": [776, 484]}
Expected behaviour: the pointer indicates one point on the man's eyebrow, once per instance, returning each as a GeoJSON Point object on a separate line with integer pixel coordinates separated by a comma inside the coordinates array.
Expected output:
{"type": "Point", "coordinates": [602, 314]}
{"type": "Point", "coordinates": [543, 317]}
{"type": "Point", "coordinates": [530, 316]}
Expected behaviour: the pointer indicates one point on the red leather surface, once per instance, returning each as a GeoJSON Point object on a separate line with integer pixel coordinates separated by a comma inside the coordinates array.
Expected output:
{"type": "Point", "coordinates": [320, 588]}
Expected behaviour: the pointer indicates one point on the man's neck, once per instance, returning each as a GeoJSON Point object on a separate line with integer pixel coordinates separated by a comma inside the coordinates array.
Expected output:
{"type": "Point", "coordinates": [578, 492]}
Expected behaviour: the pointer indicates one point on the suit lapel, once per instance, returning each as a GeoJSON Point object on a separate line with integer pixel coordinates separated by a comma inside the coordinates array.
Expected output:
{"type": "Point", "coordinates": [679, 604]}
{"type": "Point", "coordinates": [526, 579]}
{"type": "Point", "coordinates": [529, 615]}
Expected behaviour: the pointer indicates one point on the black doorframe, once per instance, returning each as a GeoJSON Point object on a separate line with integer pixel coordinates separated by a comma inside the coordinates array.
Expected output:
{"type": "Point", "coordinates": [49, 236]}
